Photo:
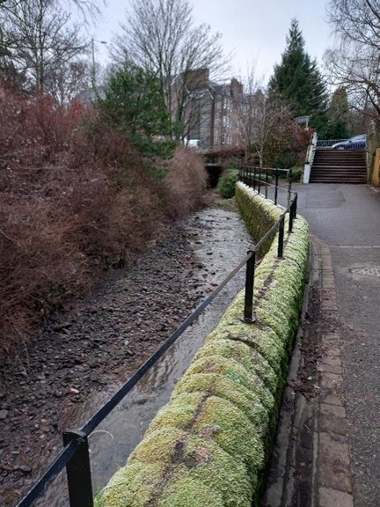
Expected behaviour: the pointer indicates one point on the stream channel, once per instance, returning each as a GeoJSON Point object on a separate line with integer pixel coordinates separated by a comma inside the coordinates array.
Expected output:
{"type": "Point", "coordinates": [219, 240]}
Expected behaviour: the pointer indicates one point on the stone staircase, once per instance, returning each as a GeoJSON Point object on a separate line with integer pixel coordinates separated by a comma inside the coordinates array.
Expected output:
{"type": "Point", "coordinates": [339, 166]}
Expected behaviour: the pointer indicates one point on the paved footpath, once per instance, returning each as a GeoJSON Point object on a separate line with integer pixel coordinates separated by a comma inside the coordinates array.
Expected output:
{"type": "Point", "coordinates": [330, 450]}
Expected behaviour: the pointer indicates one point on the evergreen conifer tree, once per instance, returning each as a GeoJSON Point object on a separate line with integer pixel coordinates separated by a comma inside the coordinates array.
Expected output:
{"type": "Point", "coordinates": [134, 105]}
{"type": "Point", "coordinates": [338, 115]}
{"type": "Point", "coordinates": [298, 82]}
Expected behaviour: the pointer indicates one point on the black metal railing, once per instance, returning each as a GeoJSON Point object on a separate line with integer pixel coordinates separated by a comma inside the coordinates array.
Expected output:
{"type": "Point", "coordinates": [349, 145]}
{"type": "Point", "coordinates": [327, 143]}
{"type": "Point", "coordinates": [266, 181]}
{"type": "Point", "coordinates": [75, 454]}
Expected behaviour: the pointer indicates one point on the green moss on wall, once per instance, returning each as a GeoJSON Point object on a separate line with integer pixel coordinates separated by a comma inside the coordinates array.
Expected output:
{"type": "Point", "coordinates": [184, 492]}
{"type": "Point", "coordinates": [132, 486]}
{"type": "Point", "coordinates": [211, 475]}
{"type": "Point", "coordinates": [180, 412]}
{"type": "Point", "coordinates": [226, 388]}
{"type": "Point", "coordinates": [231, 369]}
{"type": "Point", "coordinates": [261, 220]}
{"type": "Point", "coordinates": [249, 357]}
{"type": "Point", "coordinates": [199, 472]}
{"type": "Point", "coordinates": [208, 446]}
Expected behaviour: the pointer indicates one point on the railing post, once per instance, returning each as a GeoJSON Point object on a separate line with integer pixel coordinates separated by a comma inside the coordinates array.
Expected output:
{"type": "Point", "coordinates": [280, 249]}
{"type": "Point", "coordinates": [249, 284]}
{"type": "Point", "coordinates": [289, 185]}
{"type": "Point", "coordinates": [293, 212]}
{"type": "Point", "coordinates": [266, 184]}
{"type": "Point", "coordinates": [295, 204]}
{"type": "Point", "coordinates": [276, 188]}
{"type": "Point", "coordinates": [79, 470]}
{"type": "Point", "coordinates": [291, 216]}
{"type": "Point", "coordinates": [259, 182]}
{"type": "Point", "coordinates": [254, 178]}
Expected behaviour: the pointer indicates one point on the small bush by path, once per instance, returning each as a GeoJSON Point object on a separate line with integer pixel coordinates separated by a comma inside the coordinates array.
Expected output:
{"type": "Point", "coordinates": [227, 183]}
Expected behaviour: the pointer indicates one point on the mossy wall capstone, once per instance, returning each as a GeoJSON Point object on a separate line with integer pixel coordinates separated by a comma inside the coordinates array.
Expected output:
{"type": "Point", "coordinates": [209, 445]}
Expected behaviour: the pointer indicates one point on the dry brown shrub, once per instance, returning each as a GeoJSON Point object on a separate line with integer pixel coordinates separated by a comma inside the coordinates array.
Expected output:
{"type": "Point", "coordinates": [75, 199]}
{"type": "Point", "coordinates": [185, 183]}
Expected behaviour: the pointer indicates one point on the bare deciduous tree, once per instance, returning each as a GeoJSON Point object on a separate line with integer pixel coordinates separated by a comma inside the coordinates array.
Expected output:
{"type": "Point", "coordinates": [354, 62]}
{"type": "Point", "coordinates": [261, 120]}
{"type": "Point", "coordinates": [68, 80]}
{"type": "Point", "coordinates": [247, 109]}
{"type": "Point", "coordinates": [39, 39]}
{"type": "Point", "coordinates": [160, 36]}
{"type": "Point", "coordinates": [85, 7]}
{"type": "Point", "coordinates": [356, 20]}
{"type": "Point", "coordinates": [272, 122]}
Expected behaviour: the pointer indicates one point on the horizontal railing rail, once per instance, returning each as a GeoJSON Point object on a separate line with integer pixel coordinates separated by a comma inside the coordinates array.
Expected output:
{"type": "Point", "coordinates": [75, 454]}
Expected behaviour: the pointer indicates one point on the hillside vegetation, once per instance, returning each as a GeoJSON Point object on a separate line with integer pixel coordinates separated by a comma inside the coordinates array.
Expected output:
{"type": "Point", "coordinates": [76, 198]}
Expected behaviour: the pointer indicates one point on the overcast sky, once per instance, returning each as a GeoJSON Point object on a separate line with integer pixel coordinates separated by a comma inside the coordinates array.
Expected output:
{"type": "Point", "coordinates": [254, 30]}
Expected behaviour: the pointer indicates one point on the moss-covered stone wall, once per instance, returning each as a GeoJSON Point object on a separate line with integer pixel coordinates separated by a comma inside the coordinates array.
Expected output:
{"type": "Point", "coordinates": [259, 214]}
{"type": "Point", "coordinates": [208, 447]}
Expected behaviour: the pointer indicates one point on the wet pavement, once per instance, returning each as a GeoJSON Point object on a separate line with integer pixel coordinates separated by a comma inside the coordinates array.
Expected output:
{"type": "Point", "coordinates": [336, 435]}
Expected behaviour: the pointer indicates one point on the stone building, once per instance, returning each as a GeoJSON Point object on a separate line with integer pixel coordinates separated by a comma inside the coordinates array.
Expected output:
{"type": "Point", "coordinates": [213, 110]}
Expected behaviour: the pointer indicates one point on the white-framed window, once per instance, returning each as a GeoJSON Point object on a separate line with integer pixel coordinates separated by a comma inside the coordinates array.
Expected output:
{"type": "Point", "coordinates": [227, 103]}
{"type": "Point", "coordinates": [226, 121]}
{"type": "Point", "coordinates": [226, 139]}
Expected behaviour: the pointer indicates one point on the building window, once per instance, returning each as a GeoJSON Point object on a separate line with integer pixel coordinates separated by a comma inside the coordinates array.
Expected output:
{"type": "Point", "coordinates": [227, 103]}
{"type": "Point", "coordinates": [226, 139]}
{"type": "Point", "coordinates": [226, 121]}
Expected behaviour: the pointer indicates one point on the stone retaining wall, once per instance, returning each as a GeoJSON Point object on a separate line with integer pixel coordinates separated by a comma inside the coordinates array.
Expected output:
{"type": "Point", "coordinates": [208, 447]}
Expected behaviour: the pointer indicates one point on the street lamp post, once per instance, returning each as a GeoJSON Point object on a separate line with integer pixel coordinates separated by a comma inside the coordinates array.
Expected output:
{"type": "Point", "coordinates": [93, 73]}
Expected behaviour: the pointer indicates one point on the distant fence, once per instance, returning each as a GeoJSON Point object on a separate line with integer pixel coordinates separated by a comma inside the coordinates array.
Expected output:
{"type": "Point", "coordinates": [327, 143]}
{"type": "Point", "coordinates": [353, 145]}
{"type": "Point", "coordinates": [75, 455]}
{"type": "Point", "coordinates": [266, 181]}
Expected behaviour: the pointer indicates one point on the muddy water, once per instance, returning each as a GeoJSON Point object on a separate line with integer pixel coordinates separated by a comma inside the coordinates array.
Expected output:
{"type": "Point", "coordinates": [220, 241]}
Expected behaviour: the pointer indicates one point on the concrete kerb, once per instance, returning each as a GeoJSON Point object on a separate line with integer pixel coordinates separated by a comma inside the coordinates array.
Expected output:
{"type": "Point", "coordinates": [296, 415]}
{"type": "Point", "coordinates": [324, 480]}
{"type": "Point", "coordinates": [334, 475]}
{"type": "Point", "coordinates": [208, 445]}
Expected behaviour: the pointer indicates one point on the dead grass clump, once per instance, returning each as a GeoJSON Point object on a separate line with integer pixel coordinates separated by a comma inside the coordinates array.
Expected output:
{"type": "Point", "coordinates": [185, 182]}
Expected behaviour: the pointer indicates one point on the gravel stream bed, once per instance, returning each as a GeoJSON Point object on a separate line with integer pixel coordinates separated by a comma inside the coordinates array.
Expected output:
{"type": "Point", "coordinates": [80, 357]}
